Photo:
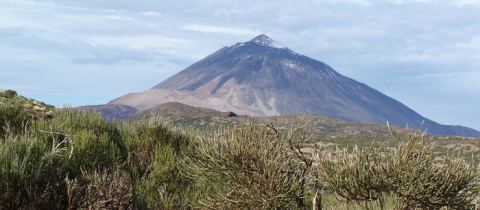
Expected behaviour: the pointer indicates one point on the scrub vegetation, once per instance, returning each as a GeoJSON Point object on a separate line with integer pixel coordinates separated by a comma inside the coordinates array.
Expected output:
{"type": "Point", "coordinates": [72, 159]}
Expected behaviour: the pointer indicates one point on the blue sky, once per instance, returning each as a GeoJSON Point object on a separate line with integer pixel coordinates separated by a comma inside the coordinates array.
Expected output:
{"type": "Point", "coordinates": [424, 53]}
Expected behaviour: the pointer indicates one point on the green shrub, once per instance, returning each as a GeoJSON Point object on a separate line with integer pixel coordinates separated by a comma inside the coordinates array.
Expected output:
{"type": "Point", "coordinates": [14, 119]}
{"type": "Point", "coordinates": [155, 152]}
{"type": "Point", "coordinates": [419, 180]}
{"type": "Point", "coordinates": [93, 144]}
{"type": "Point", "coordinates": [100, 190]}
{"type": "Point", "coordinates": [36, 163]}
{"type": "Point", "coordinates": [409, 172]}
{"type": "Point", "coordinates": [29, 173]}
{"type": "Point", "coordinates": [8, 94]}
{"type": "Point", "coordinates": [352, 175]}
{"type": "Point", "coordinates": [250, 167]}
{"type": "Point", "coordinates": [143, 138]}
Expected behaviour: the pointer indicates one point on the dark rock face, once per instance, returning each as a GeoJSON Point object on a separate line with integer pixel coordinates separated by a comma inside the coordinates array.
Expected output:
{"type": "Point", "coordinates": [230, 114]}
{"type": "Point", "coordinates": [262, 78]}
{"type": "Point", "coordinates": [112, 112]}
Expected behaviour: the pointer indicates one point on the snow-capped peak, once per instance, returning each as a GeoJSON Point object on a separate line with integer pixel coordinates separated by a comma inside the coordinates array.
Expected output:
{"type": "Point", "coordinates": [267, 41]}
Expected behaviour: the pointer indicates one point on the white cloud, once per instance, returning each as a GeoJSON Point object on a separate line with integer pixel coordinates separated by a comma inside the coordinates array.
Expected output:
{"type": "Point", "coordinates": [151, 13]}
{"type": "Point", "coordinates": [139, 41]}
{"type": "Point", "coordinates": [359, 2]}
{"type": "Point", "coordinates": [472, 44]}
{"type": "Point", "coordinates": [220, 30]}
{"type": "Point", "coordinates": [410, 1]}
{"type": "Point", "coordinates": [463, 3]}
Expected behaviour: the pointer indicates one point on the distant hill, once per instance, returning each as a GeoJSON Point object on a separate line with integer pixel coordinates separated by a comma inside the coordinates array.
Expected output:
{"type": "Point", "coordinates": [180, 109]}
{"type": "Point", "coordinates": [262, 78]}
{"type": "Point", "coordinates": [189, 117]}
{"type": "Point", "coordinates": [325, 131]}
{"type": "Point", "coordinates": [115, 112]}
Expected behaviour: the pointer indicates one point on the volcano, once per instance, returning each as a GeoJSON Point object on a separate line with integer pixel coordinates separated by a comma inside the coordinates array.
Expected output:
{"type": "Point", "coordinates": [261, 77]}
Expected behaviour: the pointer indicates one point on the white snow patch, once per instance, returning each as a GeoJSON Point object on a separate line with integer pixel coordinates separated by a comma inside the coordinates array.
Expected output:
{"type": "Point", "coordinates": [294, 66]}
{"type": "Point", "coordinates": [272, 102]}
{"type": "Point", "coordinates": [291, 65]}
{"type": "Point", "coordinates": [238, 45]}
{"type": "Point", "coordinates": [270, 43]}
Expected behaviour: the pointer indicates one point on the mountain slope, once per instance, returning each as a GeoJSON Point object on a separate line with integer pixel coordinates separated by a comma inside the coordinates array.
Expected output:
{"type": "Point", "coordinates": [262, 78]}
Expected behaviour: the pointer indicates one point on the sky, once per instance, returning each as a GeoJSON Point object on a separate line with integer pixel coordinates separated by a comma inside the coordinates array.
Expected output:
{"type": "Point", "coordinates": [424, 53]}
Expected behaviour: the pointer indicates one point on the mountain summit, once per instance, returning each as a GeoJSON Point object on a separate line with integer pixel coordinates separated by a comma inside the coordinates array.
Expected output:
{"type": "Point", "coordinates": [263, 78]}
{"type": "Point", "coordinates": [266, 41]}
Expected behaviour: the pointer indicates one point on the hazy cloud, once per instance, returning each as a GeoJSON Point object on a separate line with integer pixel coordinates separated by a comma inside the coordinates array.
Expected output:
{"type": "Point", "coordinates": [467, 2]}
{"type": "Point", "coordinates": [219, 29]}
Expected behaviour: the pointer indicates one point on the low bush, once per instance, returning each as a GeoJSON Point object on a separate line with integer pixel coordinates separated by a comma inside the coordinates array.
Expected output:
{"type": "Point", "coordinates": [90, 142]}
{"type": "Point", "coordinates": [8, 94]}
{"type": "Point", "coordinates": [36, 161]}
{"type": "Point", "coordinates": [409, 172]}
{"type": "Point", "coordinates": [14, 119]}
{"type": "Point", "coordinates": [100, 190]}
{"type": "Point", "coordinates": [29, 174]}
{"type": "Point", "coordinates": [250, 167]}
{"type": "Point", "coordinates": [154, 155]}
